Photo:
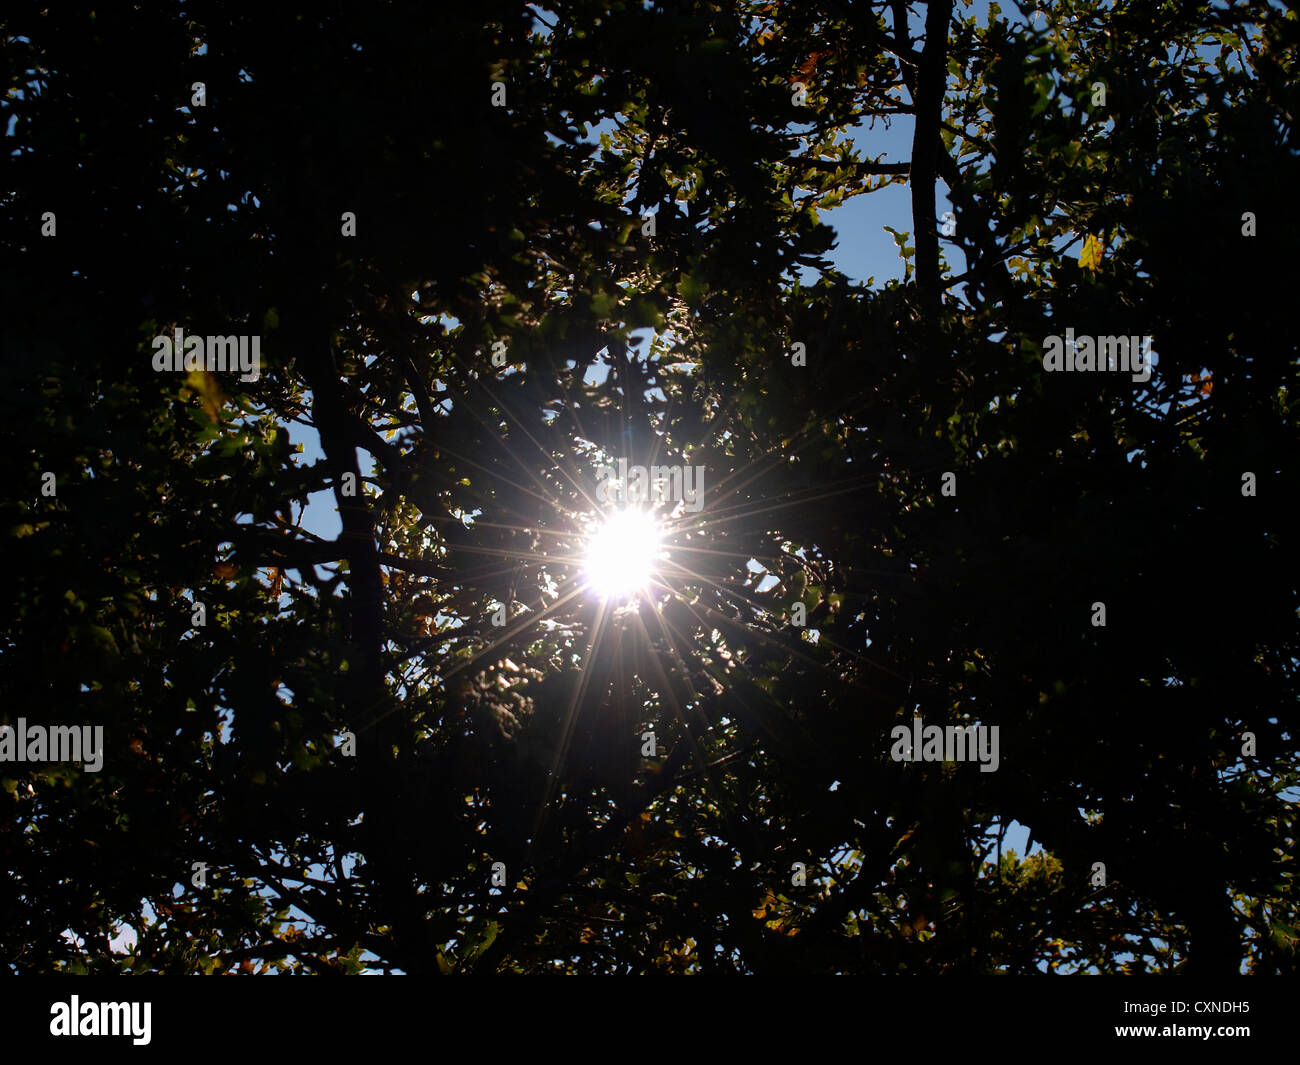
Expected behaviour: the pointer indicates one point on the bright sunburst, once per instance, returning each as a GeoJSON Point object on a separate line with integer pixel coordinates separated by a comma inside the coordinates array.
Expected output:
{"type": "Point", "coordinates": [622, 554]}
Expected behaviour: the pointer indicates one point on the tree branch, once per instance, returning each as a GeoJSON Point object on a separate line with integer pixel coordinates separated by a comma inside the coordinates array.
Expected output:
{"type": "Point", "coordinates": [930, 81]}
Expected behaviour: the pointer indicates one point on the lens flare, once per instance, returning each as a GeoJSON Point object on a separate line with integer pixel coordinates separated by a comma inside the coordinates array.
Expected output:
{"type": "Point", "coordinates": [622, 554]}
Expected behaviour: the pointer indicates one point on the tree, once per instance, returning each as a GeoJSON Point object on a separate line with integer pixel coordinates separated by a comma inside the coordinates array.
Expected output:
{"type": "Point", "coordinates": [437, 223]}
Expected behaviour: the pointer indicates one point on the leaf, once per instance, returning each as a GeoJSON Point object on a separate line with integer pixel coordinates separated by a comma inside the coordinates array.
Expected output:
{"type": "Point", "coordinates": [604, 305]}
{"type": "Point", "coordinates": [691, 289]}
{"type": "Point", "coordinates": [208, 387]}
{"type": "Point", "coordinates": [484, 940]}
{"type": "Point", "coordinates": [901, 240]}
{"type": "Point", "coordinates": [1090, 257]}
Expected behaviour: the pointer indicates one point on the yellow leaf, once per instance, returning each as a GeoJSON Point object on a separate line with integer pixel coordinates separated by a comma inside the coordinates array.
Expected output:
{"type": "Point", "coordinates": [209, 390]}
{"type": "Point", "coordinates": [1090, 257]}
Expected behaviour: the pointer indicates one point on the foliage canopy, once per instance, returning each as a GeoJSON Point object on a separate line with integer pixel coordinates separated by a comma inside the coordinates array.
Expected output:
{"type": "Point", "coordinates": [521, 744]}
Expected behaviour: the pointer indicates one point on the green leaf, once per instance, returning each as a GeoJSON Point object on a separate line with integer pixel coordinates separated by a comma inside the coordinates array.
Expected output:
{"type": "Point", "coordinates": [691, 289]}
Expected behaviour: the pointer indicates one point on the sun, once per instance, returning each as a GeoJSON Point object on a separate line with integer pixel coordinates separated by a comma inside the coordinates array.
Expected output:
{"type": "Point", "coordinates": [622, 554]}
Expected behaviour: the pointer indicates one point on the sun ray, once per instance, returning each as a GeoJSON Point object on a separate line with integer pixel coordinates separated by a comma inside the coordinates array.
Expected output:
{"type": "Point", "coordinates": [759, 633]}
{"type": "Point", "coordinates": [621, 560]}
{"type": "Point", "coordinates": [569, 720]}
{"type": "Point", "coordinates": [679, 711]}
